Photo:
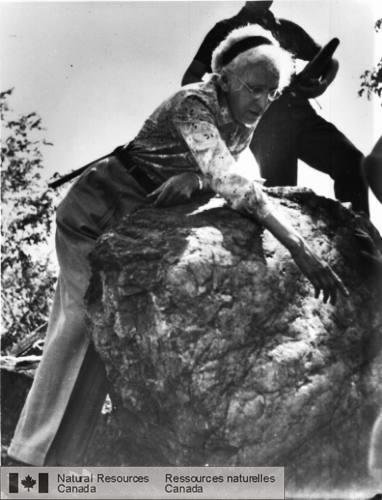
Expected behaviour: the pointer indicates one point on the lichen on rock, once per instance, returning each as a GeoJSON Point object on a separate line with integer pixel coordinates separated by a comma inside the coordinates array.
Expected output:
{"type": "Point", "coordinates": [217, 351]}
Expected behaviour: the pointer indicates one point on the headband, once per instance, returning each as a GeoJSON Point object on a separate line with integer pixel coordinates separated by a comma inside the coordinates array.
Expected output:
{"type": "Point", "coordinates": [242, 45]}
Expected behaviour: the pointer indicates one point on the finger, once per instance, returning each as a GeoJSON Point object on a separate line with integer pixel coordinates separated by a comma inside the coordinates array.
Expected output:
{"type": "Point", "coordinates": [169, 197]}
{"type": "Point", "coordinates": [173, 196]}
{"type": "Point", "coordinates": [339, 285]}
{"type": "Point", "coordinates": [323, 278]}
{"type": "Point", "coordinates": [328, 287]}
{"type": "Point", "coordinates": [342, 288]}
{"type": "Point", "coordinates": [329, 291]}
{"type": "Point", "coordinates": [308, 266]}
{"type": "Point", "coordinates": [154, 193]}
{"type": "Point", "coordinates": [333, 296]}
{"type": "Point", "coordinates": [162, 198]}
{"type": "Point", "coordinates": [329, 281]}
{"type": "Point", "coordinates": [332, 293]}
{"type": "Point", "coordinates": [317, 285]}
{"type": "Point", "coordinates": [314, 278]}
{"type": "Point", "coordinates": [361, 233]}
{"type": "Point", "coordinates": [151, 195]}
{"type": "Point", "coordinates": [326, 295]}
{"type": "Point", "coordinates": [332, 285]}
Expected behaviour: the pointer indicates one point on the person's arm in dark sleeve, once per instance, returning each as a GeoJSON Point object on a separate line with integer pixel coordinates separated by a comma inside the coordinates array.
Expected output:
{"type": "Point", "coordinates": [349, 178]}
{"type": "Point", "coordinates": [352, 187]}
{"type": "Point", "coordinates": [314, 87]}
{"type": "Point", "coordinates": [201, 63]}
{"type": "Point", "coordinates": [372, 165]}
{"type": "Point", "coordinates": [194, 73]}
{"type": "Point", "coordinates": [295, 39]}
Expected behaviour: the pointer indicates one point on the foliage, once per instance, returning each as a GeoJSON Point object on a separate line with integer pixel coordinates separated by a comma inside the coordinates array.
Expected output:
{"type": "Point", "coordinates": [371, 80]}
{"type": "Point", "coordinates": [27, 214]}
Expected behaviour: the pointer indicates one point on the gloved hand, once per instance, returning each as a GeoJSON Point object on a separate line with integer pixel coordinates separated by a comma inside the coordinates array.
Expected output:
{"type": "Point", "coordinates": [314, 87]}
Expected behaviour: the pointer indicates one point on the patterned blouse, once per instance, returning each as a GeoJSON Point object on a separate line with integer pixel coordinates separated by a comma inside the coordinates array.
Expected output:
{"type": "Point", "coordinates": [194, 131]}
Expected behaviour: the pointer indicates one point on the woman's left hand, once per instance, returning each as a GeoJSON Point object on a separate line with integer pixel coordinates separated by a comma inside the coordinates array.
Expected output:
{"type": "Point", "coordinates": [176, 190]}
{"type": "Point", "coordinates": [320, 274]}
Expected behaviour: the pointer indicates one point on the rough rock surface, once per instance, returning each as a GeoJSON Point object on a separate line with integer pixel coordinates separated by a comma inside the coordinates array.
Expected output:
{"type": "Point", "coordinates": [217, 351]}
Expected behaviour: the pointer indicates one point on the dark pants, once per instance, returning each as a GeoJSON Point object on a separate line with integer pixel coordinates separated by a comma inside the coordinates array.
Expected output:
{"type": "Point", "coordinates": [291, 130]}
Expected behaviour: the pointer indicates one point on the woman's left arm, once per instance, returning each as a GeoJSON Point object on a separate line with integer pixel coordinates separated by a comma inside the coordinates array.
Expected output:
{"type": "Point", "coordinates": [320, 274]}
{"type": "Point", "coordinates": [243, 194]}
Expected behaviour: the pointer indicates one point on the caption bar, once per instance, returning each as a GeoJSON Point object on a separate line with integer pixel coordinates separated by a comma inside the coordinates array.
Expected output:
{"type": "Point", "coordinates": [139, 483]}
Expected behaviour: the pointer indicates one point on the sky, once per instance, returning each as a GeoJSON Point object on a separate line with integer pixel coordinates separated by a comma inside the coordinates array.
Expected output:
{"type": "Point", "coordinates": [94, 71]}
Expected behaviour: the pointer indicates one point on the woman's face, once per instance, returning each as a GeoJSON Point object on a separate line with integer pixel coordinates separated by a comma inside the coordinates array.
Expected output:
{"type": "Point", "coordinates": [250, 93]}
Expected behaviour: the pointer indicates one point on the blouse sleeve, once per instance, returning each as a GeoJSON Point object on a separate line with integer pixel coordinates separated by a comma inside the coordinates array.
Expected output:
{"type": "Point", "coordinates": [196, 125]}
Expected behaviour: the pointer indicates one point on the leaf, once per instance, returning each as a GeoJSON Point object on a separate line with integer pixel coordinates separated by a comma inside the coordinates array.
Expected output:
{"type": "Point", "coordinates": [27, 216]}
{"type": "Point", "coordinates": [371, 80]}
{"type": "Point", "coordinates": [28, 482]}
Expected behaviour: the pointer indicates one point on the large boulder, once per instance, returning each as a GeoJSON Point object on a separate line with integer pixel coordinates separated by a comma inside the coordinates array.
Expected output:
{"type": "Point", "coordinates": [217, 351]}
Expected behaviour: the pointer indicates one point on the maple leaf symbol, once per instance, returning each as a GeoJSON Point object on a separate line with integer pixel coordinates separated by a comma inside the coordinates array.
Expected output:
{"type": "Point", "coordinates": [28, 482]}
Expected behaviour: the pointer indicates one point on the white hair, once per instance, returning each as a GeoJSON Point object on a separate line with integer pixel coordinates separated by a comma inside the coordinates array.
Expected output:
{"type": "Point", "coordinates": [272, 56]}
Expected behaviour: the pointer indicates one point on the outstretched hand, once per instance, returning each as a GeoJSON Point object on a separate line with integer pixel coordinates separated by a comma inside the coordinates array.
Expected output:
{"type": "Point", "coordinates": [320, 274]}
{"type": "Point", "coordinates": [176, 190]}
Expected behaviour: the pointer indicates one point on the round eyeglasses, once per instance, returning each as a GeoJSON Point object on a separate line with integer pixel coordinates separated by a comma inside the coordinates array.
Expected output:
{"type": "Point", "coordinates": [258, 91]}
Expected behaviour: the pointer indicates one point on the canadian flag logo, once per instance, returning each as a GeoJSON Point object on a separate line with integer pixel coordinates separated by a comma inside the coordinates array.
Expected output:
{"type": "Point", "coordinates": [28, 483]}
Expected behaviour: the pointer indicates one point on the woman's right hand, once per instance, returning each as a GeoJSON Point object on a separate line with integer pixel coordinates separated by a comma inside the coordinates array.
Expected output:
{"type": "Point", "coordinates": [320, 274]}
{"type": "Point", "coordinates": [176, 190]}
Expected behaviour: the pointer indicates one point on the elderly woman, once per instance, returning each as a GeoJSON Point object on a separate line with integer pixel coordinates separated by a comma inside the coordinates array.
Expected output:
{"type": "Point", "coordinates": [191, 141]}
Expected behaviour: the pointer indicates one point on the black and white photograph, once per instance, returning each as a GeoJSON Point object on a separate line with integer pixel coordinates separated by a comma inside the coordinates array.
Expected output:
{"type": "Point", "coordinates": [191, 252]}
